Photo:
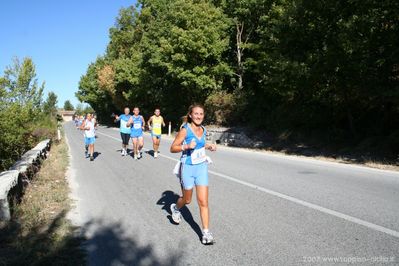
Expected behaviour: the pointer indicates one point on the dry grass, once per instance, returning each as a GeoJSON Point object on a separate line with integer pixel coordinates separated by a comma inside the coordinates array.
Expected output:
{"type": "Point", "coordinates": [40, 234]}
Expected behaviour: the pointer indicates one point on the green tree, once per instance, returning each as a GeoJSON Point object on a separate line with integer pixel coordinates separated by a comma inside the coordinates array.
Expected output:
{"type": "Point", "coordinates": [21, 117]}
{"type": "Point", "coordinates": [322, 69]}
{"type": "Point", "coordinates": [20, 85]}
{"type": "Point", "coordinates": [50, 105]}
{"type": "Point", "coordinates": [79, 109]}
{"type": "Point", "coordinates": [145, 64]}
{"type": "Point", "coordinates": [68, 106]}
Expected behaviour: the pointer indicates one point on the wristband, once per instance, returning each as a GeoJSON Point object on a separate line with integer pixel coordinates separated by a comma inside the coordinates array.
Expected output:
{"type": "Point", "coordinates": [182, 147]}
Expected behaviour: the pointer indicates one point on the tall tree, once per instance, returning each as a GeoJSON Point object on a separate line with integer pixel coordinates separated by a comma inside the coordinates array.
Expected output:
{"type": "Point", "coordinates": [22, 122]}
{"type": "Point", "coordinates": [50, 105]}
{"type": "Point", "coordinates": [20, 84]}
{"type": "Point", "coordinates": [68, 106]}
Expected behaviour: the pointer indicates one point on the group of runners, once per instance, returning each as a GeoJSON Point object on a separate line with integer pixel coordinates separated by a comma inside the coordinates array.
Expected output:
{"type": "Point", "coordinates": [192, 168]}
{"type": "Point", "coordinates": [132, 127]}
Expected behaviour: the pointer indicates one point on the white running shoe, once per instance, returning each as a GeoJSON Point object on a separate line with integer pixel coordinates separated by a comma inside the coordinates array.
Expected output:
{"type": "Point", "coordinates": [207, 238]}
{"type": "Point", "coordinates": [176, 215]}
{"type": "Point", "coordinates": [135, 157]}
{"type": "Point", "coordinates": [155, 154]}
{"type": "Point", "coordinates": [122, 152]}
{"type": "Point", "coordinates": [139, 155]}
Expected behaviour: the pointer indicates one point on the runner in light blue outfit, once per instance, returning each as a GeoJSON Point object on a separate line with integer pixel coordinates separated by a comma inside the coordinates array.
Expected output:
{"type": "Point", "coordinates": [194, 169]}
{"type": "Point", "coordinates": [124, 129]}
{"type": "Point", "coordinates": [137, 123]}
{"type": "Point", "coordinates": [89, 133]}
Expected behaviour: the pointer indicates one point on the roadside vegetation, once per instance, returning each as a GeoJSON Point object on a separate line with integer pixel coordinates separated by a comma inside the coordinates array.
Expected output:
{"type": "Point", "coordinates": [40, 233]}
{"type": "Point", "coordinates": [319, 74]}
{"type": "Point", "coordinates": [25, 119]}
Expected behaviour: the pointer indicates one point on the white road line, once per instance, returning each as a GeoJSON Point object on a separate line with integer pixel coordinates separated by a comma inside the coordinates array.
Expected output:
{"type": "Point", "coordinates": [295, 200]}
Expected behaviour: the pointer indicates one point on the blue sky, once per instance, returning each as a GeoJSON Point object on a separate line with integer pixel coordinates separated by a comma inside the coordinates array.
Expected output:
{"type": "Point", "coordinates": [61, 36]}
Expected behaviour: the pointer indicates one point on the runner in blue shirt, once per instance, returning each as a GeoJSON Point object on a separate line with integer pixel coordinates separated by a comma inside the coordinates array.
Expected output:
{"type": "Point", "coordinates": [137, 123]}
{"type": "Point", "coordinates": [191, 142]}
{"type": "Point", "coordinates": [124, 129]}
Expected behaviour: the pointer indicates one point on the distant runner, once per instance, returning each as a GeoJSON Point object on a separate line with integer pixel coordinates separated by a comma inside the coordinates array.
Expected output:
{"type": "Point", "coordinates": [194, 167]}
{"type": "Point", "coordinates": [88, 126]}
{"type": "Point", "coordinates": [124, 129]}
{"type": "Point", "coordinates": [155, 124]}
{"type": "Point", "coordinates": [137, 123]}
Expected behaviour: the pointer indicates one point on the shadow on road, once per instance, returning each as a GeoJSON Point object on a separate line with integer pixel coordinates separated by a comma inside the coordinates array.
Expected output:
{"type": "Point", "coordinates": [111, 245]}
{"type": "Point", "coordinates": [96, 154]}
{"type": "Point", "coordinates": [150, 152]}
{"type": "Point", "coordinates": [169, 197]}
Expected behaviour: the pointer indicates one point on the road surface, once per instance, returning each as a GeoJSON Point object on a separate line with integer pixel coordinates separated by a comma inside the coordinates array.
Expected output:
{"type": "Point", "coordinates": [265, 209]}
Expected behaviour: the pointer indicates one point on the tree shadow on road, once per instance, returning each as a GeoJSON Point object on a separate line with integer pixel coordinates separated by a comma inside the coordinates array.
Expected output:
{"type": "Point", "coordinates": [168, 197]}
{"type": "Point", "coordinates": [110, 244]}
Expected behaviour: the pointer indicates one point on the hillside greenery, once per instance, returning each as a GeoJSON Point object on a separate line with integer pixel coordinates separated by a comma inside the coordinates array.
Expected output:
{"type": "Point", "coordinates": [319, 70]}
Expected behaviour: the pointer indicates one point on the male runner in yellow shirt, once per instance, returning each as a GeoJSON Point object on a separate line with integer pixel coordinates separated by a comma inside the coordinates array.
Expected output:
{"type": "Point", "coordinates": [155, 124]}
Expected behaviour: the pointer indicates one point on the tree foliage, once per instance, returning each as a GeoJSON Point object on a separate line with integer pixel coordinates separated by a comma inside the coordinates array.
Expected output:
{"type": "Point", "coordinates": [169, 50]}
{"type": "Point", "coordinates": [68, 106]}
{"type": "Point", "coordinates": [50, 105]}
{"type": "Point", "coordinates": [24, 119]}
{"type": "Point", "coordinates": [325, 69]}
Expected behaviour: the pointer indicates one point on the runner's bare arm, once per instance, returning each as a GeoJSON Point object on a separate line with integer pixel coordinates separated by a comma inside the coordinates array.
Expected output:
{"type": "Point", "coordinates": [149, 122]}
{"type": "Point", "coordinates": [82, 127]}
{"type": "Point", "coordinates": [143, 124]}
{"type": "Point", "coordinates": [211, 147]}
{"type": "Point", "coordinates": [163, 122]}
{"type": "Point", "coordinates": [177, 143]}
{"type": "Point", "coordinates": [129, 122]}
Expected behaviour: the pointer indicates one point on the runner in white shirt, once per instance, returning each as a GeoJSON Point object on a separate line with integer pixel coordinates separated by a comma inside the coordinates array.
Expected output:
{"type": "Point", "coordinates": [88, 126]}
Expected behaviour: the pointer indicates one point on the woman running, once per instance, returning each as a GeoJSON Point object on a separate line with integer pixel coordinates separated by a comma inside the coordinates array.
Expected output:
{"type": "Point", "coordinates": [194, 172]}
{"type": "Point", "coordinates": [137, 123]}
{"type": "Point", "coordinates": [124, 129]}
{"type": "Point", "coordinates": [155, 124]}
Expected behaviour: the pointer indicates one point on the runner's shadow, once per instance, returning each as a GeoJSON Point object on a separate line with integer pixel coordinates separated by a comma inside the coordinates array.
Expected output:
{"type": "Point", "coordinates": [96, 154]}
{"type": "Point", "coordinates": [150, 152]}
{"type": "Point", "coordinates": [169, 197]}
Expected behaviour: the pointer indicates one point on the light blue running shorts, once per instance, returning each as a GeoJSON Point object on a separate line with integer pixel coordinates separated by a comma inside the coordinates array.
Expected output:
{"type": "Point", "coordinates": [194, 175]}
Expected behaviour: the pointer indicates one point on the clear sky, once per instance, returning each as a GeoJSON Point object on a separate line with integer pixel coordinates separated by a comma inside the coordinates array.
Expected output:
{"type": "Point", "coordinates": [61, 36]}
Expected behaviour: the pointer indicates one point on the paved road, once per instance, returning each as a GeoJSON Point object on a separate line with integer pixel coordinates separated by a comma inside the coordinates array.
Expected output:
{"type": "Point", "coordinates": [265, 209]}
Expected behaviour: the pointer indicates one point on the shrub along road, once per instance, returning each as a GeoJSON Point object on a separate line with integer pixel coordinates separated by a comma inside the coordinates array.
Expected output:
{"type": "Point", "coordinates": [265, 209]}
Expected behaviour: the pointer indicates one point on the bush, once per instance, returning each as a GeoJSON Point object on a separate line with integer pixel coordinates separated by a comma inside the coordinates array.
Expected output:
{"type": "Point", "coordinates": [220, 106]}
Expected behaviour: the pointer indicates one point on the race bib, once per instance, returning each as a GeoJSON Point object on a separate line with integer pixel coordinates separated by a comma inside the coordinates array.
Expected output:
{"type": "Point", "coordinates": [198, 156]}
{"type": "Point", "coordinates": [156, 126]}
{"type": "Point", "coordinates": [137, 126]}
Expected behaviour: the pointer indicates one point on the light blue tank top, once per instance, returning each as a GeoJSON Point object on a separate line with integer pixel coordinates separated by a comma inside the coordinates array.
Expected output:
{"type": "Point", "coordinates": [197, 155]}
{"type": "Point", "coordinates": [123, 121]}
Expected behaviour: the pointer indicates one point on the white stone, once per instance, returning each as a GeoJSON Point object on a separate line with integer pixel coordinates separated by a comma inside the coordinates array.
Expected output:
{"type": "Point", "coordinates": [8, 180]}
